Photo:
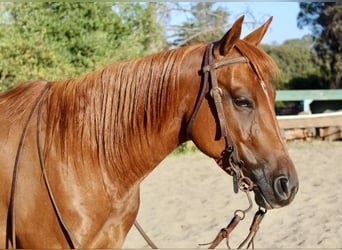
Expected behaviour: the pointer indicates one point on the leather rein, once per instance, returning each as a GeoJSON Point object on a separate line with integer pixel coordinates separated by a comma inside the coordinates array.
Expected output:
{"type": "Point", "coordinates": [11, 219]}
{"type": "Point", "coordinates": [230, 161]}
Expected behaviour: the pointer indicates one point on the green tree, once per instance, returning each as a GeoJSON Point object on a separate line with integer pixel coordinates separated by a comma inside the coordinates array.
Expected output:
{"type": "Point", "coordinates": [295, 60]}
{"type": "Point", "coordinates": [205, 21]}
{"type": "Point", "coordinates": [325, 21]}
{"type": "Point", "coordinates": [65, 39]}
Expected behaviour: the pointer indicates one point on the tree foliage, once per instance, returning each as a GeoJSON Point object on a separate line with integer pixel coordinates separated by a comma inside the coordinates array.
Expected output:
{"type": "Point", "coordinates": [295, 61]}
{"type": "Point", "coordinates": [64, 39]}
{"type": "Point", "coordinates": [325, 21]}
{"type": "Point", "coordinates": [52, 40]}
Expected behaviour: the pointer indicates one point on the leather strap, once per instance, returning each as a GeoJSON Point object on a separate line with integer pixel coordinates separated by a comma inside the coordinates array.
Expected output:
{"type": "Point", "coordinates": [200, 97]}
{"type": "Point", "coordinates": [11, 208]}
{"type": "Point", "coordinates": [230, 160]}
{"type": "Point", "coordinates": [70, 238]}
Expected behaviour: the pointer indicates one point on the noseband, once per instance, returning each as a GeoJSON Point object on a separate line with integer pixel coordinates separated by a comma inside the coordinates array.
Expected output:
{"type": "Point", "coordinates": [229, 161]}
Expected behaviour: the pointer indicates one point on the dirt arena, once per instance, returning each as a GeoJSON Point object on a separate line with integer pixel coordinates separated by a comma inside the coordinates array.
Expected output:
{"type": "Point", "coordinates": [187, 199]}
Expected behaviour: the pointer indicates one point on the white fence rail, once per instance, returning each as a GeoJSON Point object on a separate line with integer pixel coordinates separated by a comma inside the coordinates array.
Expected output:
{"type": "Point", "coordinates": [327, 126]}
{"type": "Point", "coordinates": [310, 121]}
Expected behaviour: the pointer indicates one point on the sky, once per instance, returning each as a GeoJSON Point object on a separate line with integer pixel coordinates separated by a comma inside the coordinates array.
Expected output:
{"type": "Point", "coordinates": [283, 26]}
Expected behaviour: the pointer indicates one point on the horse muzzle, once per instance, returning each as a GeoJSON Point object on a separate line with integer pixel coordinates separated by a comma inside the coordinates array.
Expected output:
{"type": "Point", "coordinates": [277, 192]}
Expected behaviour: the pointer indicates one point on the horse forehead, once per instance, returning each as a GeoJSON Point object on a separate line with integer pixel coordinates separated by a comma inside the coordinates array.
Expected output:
{"type": "Point", "coordinates": [247, 78]}
{"type": "Point", "coordinates": [255, 81]}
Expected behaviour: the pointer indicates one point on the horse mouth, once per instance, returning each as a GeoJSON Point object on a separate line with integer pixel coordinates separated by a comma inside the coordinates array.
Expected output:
{"type": "Point", "coordinates": [260, 199]}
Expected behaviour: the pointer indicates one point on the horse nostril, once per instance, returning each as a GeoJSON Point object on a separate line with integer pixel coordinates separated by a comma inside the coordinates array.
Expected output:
{"type": "Point", "coordinates": [281, 187]}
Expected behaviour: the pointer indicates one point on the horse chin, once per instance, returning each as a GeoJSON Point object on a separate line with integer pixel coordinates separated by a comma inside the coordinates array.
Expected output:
{"type": "Point", "coordinates": [261, 200]}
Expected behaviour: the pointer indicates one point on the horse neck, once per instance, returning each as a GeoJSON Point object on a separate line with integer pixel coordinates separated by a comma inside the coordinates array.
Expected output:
{"type": "Point", "coordinates": [127, 117]}
{"type": "Point", "coordinates": [171, 102]}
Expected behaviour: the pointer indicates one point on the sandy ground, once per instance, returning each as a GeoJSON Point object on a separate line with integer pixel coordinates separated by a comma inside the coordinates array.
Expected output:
{"type": "Point", "coordinates": [187, 199]}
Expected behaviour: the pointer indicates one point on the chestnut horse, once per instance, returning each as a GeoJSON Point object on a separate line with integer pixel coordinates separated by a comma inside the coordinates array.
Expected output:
{"type": "Point", "coordinates": [74, 152]}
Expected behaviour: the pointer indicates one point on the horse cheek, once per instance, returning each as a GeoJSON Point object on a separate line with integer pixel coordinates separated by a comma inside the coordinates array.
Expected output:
{"type": "Point", "coordinates": [204, 134]}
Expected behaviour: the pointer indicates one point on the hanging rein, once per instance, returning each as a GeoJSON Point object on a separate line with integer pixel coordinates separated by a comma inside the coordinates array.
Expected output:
{"type": "Point", "coordinates": [11, 237]}
{"type": "Point", "coordinates": [230, 161]}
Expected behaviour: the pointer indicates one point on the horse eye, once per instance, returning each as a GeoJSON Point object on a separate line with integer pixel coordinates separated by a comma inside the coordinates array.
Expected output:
{"type": "Point", "coordinates": [243, 102]}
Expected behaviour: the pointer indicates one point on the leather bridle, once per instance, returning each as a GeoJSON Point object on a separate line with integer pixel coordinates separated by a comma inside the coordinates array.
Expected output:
{"type": "Point", "coordinates": [229, 160]}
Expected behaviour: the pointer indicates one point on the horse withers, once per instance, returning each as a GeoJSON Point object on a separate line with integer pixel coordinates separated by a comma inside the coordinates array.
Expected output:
{"type": "Point", "coordinates": [74, 152]}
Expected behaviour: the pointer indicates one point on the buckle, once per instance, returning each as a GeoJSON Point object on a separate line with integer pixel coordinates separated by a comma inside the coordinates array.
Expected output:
{"type": "Point", "coordinates": [218, 89]}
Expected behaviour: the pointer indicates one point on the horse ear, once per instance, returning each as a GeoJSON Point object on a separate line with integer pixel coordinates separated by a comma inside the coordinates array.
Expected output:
{"type": "Point", "coordinates": [256, 36]}
{"type": "Point", "coordinates": [231, 37]}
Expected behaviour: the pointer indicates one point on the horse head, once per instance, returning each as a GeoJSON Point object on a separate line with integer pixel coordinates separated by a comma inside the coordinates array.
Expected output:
{"type": "Point", "coordinates": [243, 74]}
